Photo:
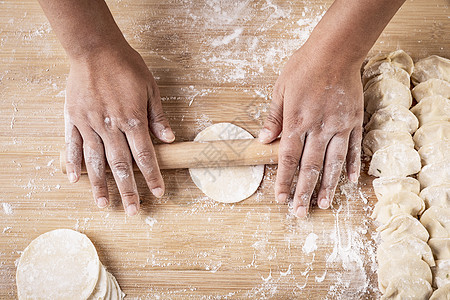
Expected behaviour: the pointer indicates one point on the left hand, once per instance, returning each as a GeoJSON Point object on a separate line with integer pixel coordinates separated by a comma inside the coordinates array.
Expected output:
{"type": "Point", "coordinates": [317, 104]}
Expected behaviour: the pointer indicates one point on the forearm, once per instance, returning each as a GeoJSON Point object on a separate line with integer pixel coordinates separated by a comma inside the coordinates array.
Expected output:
{"type": "Point", "coordinates": [82, 26]}
{"type": "Point", "coordinates": [350, 27]}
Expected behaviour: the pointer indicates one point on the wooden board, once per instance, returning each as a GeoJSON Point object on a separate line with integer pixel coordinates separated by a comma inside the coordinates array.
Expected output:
{"type": "Point", "coordinates": [185, 244]}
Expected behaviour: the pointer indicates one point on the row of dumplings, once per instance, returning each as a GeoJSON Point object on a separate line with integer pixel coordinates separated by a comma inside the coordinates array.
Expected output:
{"type": "Point", "coordinates": [404, 256]}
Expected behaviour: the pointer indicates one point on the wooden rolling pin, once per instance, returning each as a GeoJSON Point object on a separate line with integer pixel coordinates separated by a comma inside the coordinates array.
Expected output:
{"type": "Point", "coordinates": [225, 153]}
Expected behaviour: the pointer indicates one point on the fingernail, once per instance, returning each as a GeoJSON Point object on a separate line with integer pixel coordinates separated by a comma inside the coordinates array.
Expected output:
{"type": "Point", "coordinates": [72, 177]}
{"type": "Point", "coordinates": [102, 202]}
{"type": "Point", "coordinates": [132, 210]}
{"type": "Point", "coordinates": [264, 135]}
{"type": "Point", "coordinates": [354, 177]}
{"type": "Point", "coordinates": [167, 135]}
{"type": "Point", "coordinates": [282, 198]}
{"type": "Point", "coordinates": [301, 212]}
{"type": "Point", "coordinates": [158, 192]}
{"type": "Point", "coordinates": [324, 203]}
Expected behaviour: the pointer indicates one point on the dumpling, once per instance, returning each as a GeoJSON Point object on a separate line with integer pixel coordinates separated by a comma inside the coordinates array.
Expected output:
{"type": "Point", "coordinates": [437, 152]}
{"type": "Point", "coordinates": [400, 226]}
{"type": "Point", "coordinates": [440, 248]}
{"type": "Point", "coordinates": [377, 139]}
{"type": "Point", "coordinates": [402, 267]}
{"type": "Point", "coordinates": [407, 287]}
{"type": "Point", "coordinates": [395, 161]}
{"type": "Point", "coordinates": [386, 187]}
{"type": "Point", "coordinates": [402, 202]}
{"type": "Point", "coordinates": [409, 245]}
{"type": "Point", "coordinates": [384, 93]}
{"type": "Point", "coordinates": [434, 174]}
{"type": "Point", "coordinates": [399, 58]}
{"type": "Point", "coordinates": [432, 132]}
{"type": "Point", "coordinates": [431, 87]}
{"type": "Point", "coordinates": [442, 293]}
{"type": "Point", "coordinates": [381, 70]}
{"type": "Point", "coordinates": [436, 195]}
{"type": "Point", "coordinates": [441, 273]}
{"type": "Point", "coordinates": [393, 118]}
{"type": "Point", "coordinates": [437, 221]}
{"type": "Point", "coordinates": [431, 67]}
{"type": "Point", "coordinates": [432, 108]}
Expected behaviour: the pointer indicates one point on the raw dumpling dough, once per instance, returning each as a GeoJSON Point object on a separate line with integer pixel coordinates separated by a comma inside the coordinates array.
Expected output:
{"type": "Point", "coordinates": [440, 248]}
{"type": "Point", "coordinates": [393, 118]}
{"type": "Point", "coordinates": [402, 267]}
{"type": "Point", "coordinates": [395, 161]}
{"type": "Point", "coordinates": [437, 152]}
{"type": "Point", "coordinates": [432, 108]}
{"type": "Point", "coordinates": [381, 70]}
{"type": "Point", "coordinates": [436, 195]}
{"type": "Point", "coordinates": [442, 293]}
{"type": "Point", "coordinates": [386, 92]}
{"type": "Point", "coordinates": [432, 132]}
{"type": "Point", "coordinates": [386, 187]}
{"type": "Point", "coordinates": [431, 67]}
{"type": "Point", "coordinates": [402, 202]}
{"type": "Point", "coordinates": [437, 221]}
{"type": "Point", "coordinates": [434, 174]}
{"type": "Point", "coordinates": [60, 264]}
{"type": "Point", "coordinates": [377, 139]}
{"type": "Point", "coordinates": [400, 226]}
{"type": "Point", "coordinates": [399, 58]}
{"type": "Point", "coordinates": [226, 184]}
{"type": "Point", "coordinates": [409, 245]}
{"type": "Point", "coordinates": [407, 287]}
{"type": "Point", "coordinates": [431, 87]}
{"type": "Point", "coordinates": [441, 273]}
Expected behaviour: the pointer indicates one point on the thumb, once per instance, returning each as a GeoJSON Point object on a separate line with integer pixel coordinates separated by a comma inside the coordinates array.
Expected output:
{"type": "Point", "coordinates": [158, 123]}
{"type": "Point", "coordinates": [273, 123]}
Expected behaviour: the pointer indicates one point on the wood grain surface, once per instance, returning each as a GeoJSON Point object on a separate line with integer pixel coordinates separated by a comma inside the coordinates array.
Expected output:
{"type": "Point", "coordinates": [215, 61]}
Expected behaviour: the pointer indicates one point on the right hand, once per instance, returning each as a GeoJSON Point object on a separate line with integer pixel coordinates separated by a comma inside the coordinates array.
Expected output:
{"type": "Point", "coordinates": [112, 102]}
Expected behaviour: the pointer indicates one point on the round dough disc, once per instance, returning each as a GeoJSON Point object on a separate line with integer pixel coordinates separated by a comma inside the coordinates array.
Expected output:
{"type": "Point", "coordinates": [226, 184]}
{"type": "Point", "coordinates": [60, 264]}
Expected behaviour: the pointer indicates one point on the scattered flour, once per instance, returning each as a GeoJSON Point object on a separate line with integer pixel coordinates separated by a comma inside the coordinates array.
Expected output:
{"type": "Point", "coordinates": [150, 221]}
{"type": "Point", "coordinates": [310, 243]}
{"type": "Point", "coordinates": [7, 208]}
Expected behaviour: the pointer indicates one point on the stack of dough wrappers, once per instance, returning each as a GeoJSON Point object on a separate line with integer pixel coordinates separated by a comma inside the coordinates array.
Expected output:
{"type": "Point", "coordinates": [413, 212]}
{"type": "Point", "coordinates": [63, 264]}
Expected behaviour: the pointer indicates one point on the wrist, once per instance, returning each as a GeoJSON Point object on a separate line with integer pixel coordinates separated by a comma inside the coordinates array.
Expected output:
{"type": "Point", "coordinates": [93, 50]}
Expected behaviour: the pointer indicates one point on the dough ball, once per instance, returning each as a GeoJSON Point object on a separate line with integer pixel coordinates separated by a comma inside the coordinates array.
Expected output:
{"type": "Point", "coordinates": [60, 264]}
{"type": "Point", "coordinates": [402, 225]}
{"type": "Point", "coordinates": [393, 118]}
{"type": "Point", "coordinates": [377, 139]}
{"type": "Point", "coordinates": [394, 161]}
{"type": "Point", "coordinates": [440, 248]}
{"type": "Point", "coordinates": [407, 287]}
{"type": "Point", "coordinates": [434, 174]}
{"type": "Point", "coordinates": [431, 87]}
{"type": "Point", "coordinates": [436, 195]}
{"type": "Point", "coordinates": [408, 245]}
{"type": "Point", "coordinates": [381, 70]}
{"type": "Point", "coordinates": [431, 67]}
{"type": "Point", "coordinates": [442, 293]}
{"type": "Point", "coordinates": [399, 58]}
{"type": "Point", "coordinates": [435, 152]}
{"type": "Point", "coordinates": [384, 93]}
{"type": "Point", "coordinates": [432, 132]}
{"type": "Point", "coordinates": [226, 184]}
{"type": "Point", "coordinates": [387, 187]}
{"type": "Point", "coordinates": [404, 266]}
{"type": "Point", "coordinates": [432, 108]}
{"type": "Point", "coordinates": [402, 202]}
{"type": "Point", "coordinates": [441, 273]}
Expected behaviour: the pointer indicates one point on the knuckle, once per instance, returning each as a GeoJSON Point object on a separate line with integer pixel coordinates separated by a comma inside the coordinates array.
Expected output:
{"type": "Point", "coordinates": [129, 194]}
{"type": "Point", "coordinates": [289, 160]}
{"type": "Point", "coordinates": [302, 198]}
{"type": "Point", "coordinates": [120, 167]}
{"type": "Point", "coordinates": [311, 168]}
{"type": "Point", "coordinates": [275, 118]}
{"type": "Point", "coordinates": [158, 117]}
{"type": "Point", "coordinates": [144, 157]}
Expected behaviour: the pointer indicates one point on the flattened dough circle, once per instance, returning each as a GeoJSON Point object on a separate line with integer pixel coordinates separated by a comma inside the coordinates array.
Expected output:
{"type": "Point", "coordinates": [60, 264]}
{"type": "Point", "coordinates": [226, 184]}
